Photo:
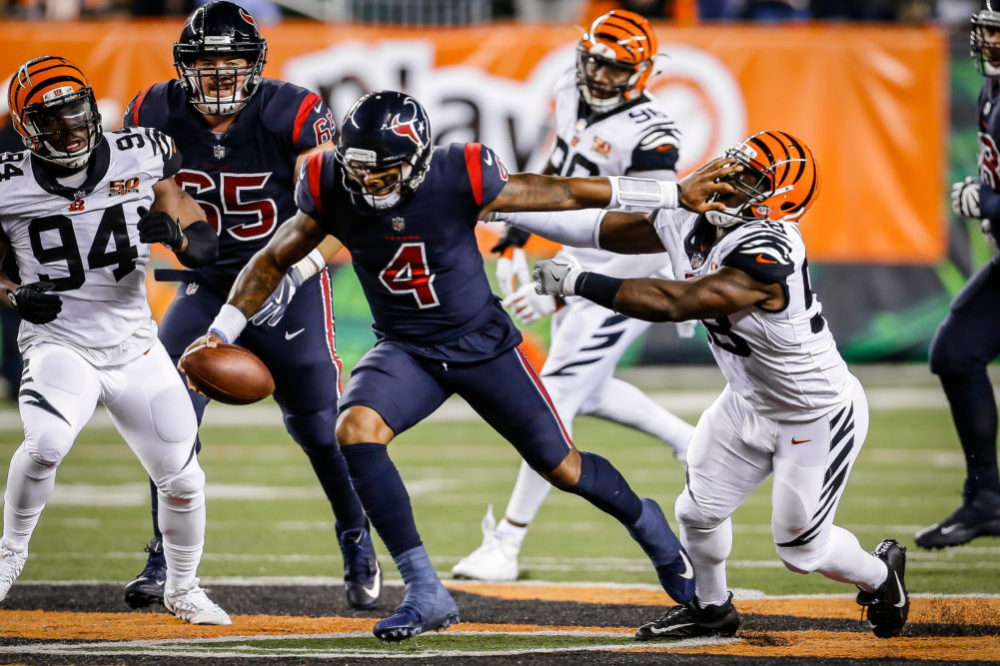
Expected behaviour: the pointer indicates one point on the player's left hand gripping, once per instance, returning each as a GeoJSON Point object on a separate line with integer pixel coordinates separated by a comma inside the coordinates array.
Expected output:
{"type": "Point", "coordinates": [274, 307]}
{"type": "Point", "coordinates": [557, 275]}
{"type": "Point", "coordinates": [208, 340]}
{"type": "Point", "coordinates": [158, 227]}
{"type": "Point", "coordinates": [525, 303]}
{"type": "Point", "coordinates": [34, 302]}
{"type": "Point", "coordinates": [965, 198]}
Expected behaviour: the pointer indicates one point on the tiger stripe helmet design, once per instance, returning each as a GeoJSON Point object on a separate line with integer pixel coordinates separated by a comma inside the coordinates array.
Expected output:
{"type": "Point", "coordinates": [779, 181]}
{"type": "Point", "coordinates": [615, 59]}
{"type": "Point", "coordinates": [53, 108]}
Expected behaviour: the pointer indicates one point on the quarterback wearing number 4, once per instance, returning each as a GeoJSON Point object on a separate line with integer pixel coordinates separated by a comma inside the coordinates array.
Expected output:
{"type": "Point", "coordinates": [75, 210]}
{"type": "Point", "coordinates": [407, 212]}
{"type": "Point", "coordinates": [791, 407]}
{"type": "Point", "coordinates": [241, 135]}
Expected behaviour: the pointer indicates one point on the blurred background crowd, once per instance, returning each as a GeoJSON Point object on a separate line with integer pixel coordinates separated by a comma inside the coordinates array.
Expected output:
{"type": "Point", "coordinates": [464, 12]}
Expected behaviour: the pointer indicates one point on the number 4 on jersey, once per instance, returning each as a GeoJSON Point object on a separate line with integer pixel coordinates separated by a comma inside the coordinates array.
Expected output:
{"type": "Point", "coordinates": [407, 273]}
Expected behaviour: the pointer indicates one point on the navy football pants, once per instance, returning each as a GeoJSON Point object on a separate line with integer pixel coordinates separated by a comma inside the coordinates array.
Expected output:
{"type": "Point", "coordinates": [965, 343]}
{"type": "Point", "coordinates": [505, 391]}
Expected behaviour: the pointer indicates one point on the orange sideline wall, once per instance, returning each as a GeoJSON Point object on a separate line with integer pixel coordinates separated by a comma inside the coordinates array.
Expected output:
{"type": "Point", "coordinates": [870, 101]}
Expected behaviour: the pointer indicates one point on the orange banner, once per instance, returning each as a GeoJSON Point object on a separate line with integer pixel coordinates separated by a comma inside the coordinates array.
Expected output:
{"type": "Point", "coordinates": [870, 101]}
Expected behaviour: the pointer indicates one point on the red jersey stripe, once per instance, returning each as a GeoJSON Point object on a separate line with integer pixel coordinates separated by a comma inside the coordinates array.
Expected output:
{"type": "Point", "coordinates": [311, 100]}
{"type": "Point", "coordinates": [314, 167]}
{"type": "Point", "coordinates": [138, 102]}
{"type": "Point", "coordinates": [474, 164]}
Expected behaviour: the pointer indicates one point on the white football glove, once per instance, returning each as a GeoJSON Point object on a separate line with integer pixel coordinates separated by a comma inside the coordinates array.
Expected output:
{"type": "Point", "coordinates": [528, 306]}
{"type": "Point", "coordinates": [273, 309]}
{"type": "Point", "coordinates": [991, 240]}
{"type": "Point", "coordinates": [965, 198]}
{"type": "Point", "coordinates": [557, 275]}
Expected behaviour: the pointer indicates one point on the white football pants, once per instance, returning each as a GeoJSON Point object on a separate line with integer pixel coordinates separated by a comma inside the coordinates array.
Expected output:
{"type": "Point", "coordinates": [150, 408]}
{"type": "Point", "coordinates": [734, 450]}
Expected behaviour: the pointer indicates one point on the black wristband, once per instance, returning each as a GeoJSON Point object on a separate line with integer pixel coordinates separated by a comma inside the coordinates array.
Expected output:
{"type": "Point", "coordinates": [598, 288]}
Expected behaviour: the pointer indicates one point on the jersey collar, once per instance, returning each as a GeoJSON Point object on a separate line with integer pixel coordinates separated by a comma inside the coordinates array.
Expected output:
{"type": "Point", "coordinates": [97, 168]}
{"type": "Point", "coordinates": [587, 115]}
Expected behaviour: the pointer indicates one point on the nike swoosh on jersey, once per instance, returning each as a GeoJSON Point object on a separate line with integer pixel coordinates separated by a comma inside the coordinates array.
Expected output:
{"type": "Point", "coordinates": [290, 335]}
{"type": "Point", "coordinates": [800, 441]}
{"type": "Point", "coordinates": [762, 260]}
{"type": "Point", "coordinates": [664, 630]}
{"type": "Point", "coordinates": [318, 106]}
{"type": "Point", "coordinates": [373, 591]}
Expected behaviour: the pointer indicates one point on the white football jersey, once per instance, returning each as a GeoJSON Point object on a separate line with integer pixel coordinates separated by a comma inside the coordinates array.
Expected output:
{"type": "Point", "coordinates": [634, 137]}
{"type": "Point", "coordinates": [784, 363]}
{"type": "Point", "coordinates": [85, 239]}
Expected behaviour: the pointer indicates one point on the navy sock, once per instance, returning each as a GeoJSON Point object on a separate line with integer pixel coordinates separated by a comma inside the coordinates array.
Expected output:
{"type": "Point", "coordinates": [974, 411]}
{"type": "Point", "coordinates": [603, 486]}
{"type": "Point", "coordinates": [331, 470]}
{"type": "Point", "coordinates": [383, 495]}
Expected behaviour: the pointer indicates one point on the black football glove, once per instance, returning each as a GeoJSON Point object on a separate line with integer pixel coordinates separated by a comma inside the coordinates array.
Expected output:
{"type": "Point", "coordinates": [511, 237]}
{"type": "Point", "coordinates": [158, 227]}
{"type": "Point", "coordinates": [34, 302]}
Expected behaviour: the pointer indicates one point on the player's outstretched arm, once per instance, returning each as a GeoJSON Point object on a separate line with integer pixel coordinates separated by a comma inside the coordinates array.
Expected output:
{"type": "Point", "coordinates": [533, 192]}
{"type": "Point", "coordinates": [177, 221]}
{"type": "Point", "coordinates": [718, 294]}
{"type": "Point", "coordinates": [257, 280]}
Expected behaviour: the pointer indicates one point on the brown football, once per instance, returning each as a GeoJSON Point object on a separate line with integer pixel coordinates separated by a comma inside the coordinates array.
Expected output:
{"type": "Point", "coordinates": [228, 373]}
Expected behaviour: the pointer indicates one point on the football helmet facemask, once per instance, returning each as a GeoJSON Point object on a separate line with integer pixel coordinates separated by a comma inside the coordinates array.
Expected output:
{"type": "Point", "coordinates": [984, 40]}
{"type": "Point", "coordinates": [384, 148]}
{"type": "Point", "coordinates": [615, 59]}
{"type": "Point", "coordinates": [220, 29]}
{"type": "Point", "coordinates": [53, 108]}
{"type": "Point", "coordinates": [779, 181]}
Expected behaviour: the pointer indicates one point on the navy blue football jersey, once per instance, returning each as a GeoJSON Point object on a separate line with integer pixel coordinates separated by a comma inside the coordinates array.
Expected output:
{"type": "Point", "coordinates": [243, 178]}
{"type": "Point", "coordinates": [418, 262]}
{"type": "Point", "coordinates": [989, 133]}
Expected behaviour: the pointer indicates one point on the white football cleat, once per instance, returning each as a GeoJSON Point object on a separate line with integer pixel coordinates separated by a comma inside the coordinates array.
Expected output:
{"type": "Point", "coordinates": [190, 603]}
{"type": "Point", "coordinates": [11, 565]}
{"type": "Point", "coordinates": [495, 560]}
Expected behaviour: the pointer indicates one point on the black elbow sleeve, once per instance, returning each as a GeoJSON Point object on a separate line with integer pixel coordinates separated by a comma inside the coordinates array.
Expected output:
{"type": "Point", "coordinates": [202, 245]}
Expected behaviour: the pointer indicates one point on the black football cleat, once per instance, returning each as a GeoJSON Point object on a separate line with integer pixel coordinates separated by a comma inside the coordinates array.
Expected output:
{"type": "Point", "coordinates": [978, 516]}
{"type": "Point", "coordinates": [362, 573]}
{"type": "Point", "coordinates": [421, 611]}
{"type": "Point", "coordinates": [692, 621]}
{"type": "Point", "coordinates": [889, 605]}
{"type": "Point", "coordinates": [147, 588]}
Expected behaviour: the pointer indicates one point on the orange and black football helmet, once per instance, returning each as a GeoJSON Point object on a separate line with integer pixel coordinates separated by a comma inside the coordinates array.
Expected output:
{"type": "Point", "coordinates": [615, 59]}
{"type": "Point", "coordinates": [779, 181]}
{"type": "Point", "coordinates": [53, 108]}
{"type": "Point", "coordinates": [986, 52]}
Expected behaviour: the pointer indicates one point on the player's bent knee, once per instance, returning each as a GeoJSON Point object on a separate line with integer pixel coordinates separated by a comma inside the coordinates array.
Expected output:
{"type": "Point", "coordinates": [172, 414]}
{"type": "Point", "coordinates": [692, 514]}
{"type": "Point", "coordinates": [567, 473]}
{"type": "Point", "coordinates": [41, 466]}
{"type": "Point", "coordinates": [313, 431]}
{"type": "Point", "coordinates": [359, 424]}
{"type": "Point", "coordinates": [800, 559]}
{"type": "Point", "coordinates": [950, 354]}
{"type": "Point", "coordinates": [186, 485]}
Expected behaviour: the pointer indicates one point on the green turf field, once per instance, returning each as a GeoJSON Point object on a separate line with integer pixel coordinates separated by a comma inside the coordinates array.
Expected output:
{"type": "Point", "coordinates": [268, 518]}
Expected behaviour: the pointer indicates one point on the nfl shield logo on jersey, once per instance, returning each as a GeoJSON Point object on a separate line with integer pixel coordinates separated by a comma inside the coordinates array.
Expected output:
{"type": "Point", "coordinates": [398, 224]}
{"type": "Point", "coordinates": [218, 152]}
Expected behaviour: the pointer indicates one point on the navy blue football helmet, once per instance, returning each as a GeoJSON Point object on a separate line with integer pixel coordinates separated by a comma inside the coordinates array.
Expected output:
{"type": "Point", "coordinates": [220, 28]}
{"type": "Point", "coordinates": [384, 130]}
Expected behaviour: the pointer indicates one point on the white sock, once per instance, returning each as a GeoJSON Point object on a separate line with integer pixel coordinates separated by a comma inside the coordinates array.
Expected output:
{"type": "Point", "coordinates": [182, 522]}
{"type": "Point", "coordinates": [623, 403]}
{"type": "Point", "coordinates": [708, 550]}
{"type": "Point", "coordinates": [29, 485]}
{"type": "Point", "coordinates": [514, 533]}
{"type": "Point", "coordinates": [846, 561]}
{"type": "Point", "coordinates": [529, 493]}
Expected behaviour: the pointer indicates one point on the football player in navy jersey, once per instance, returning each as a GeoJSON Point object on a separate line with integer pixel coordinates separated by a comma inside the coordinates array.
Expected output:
{"type": "Point", "coordinates": [241, 136]}
{"type": "Point", "coordinates": [967, 340]}
{"type": "Point", "coordinates": [407, 212]}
